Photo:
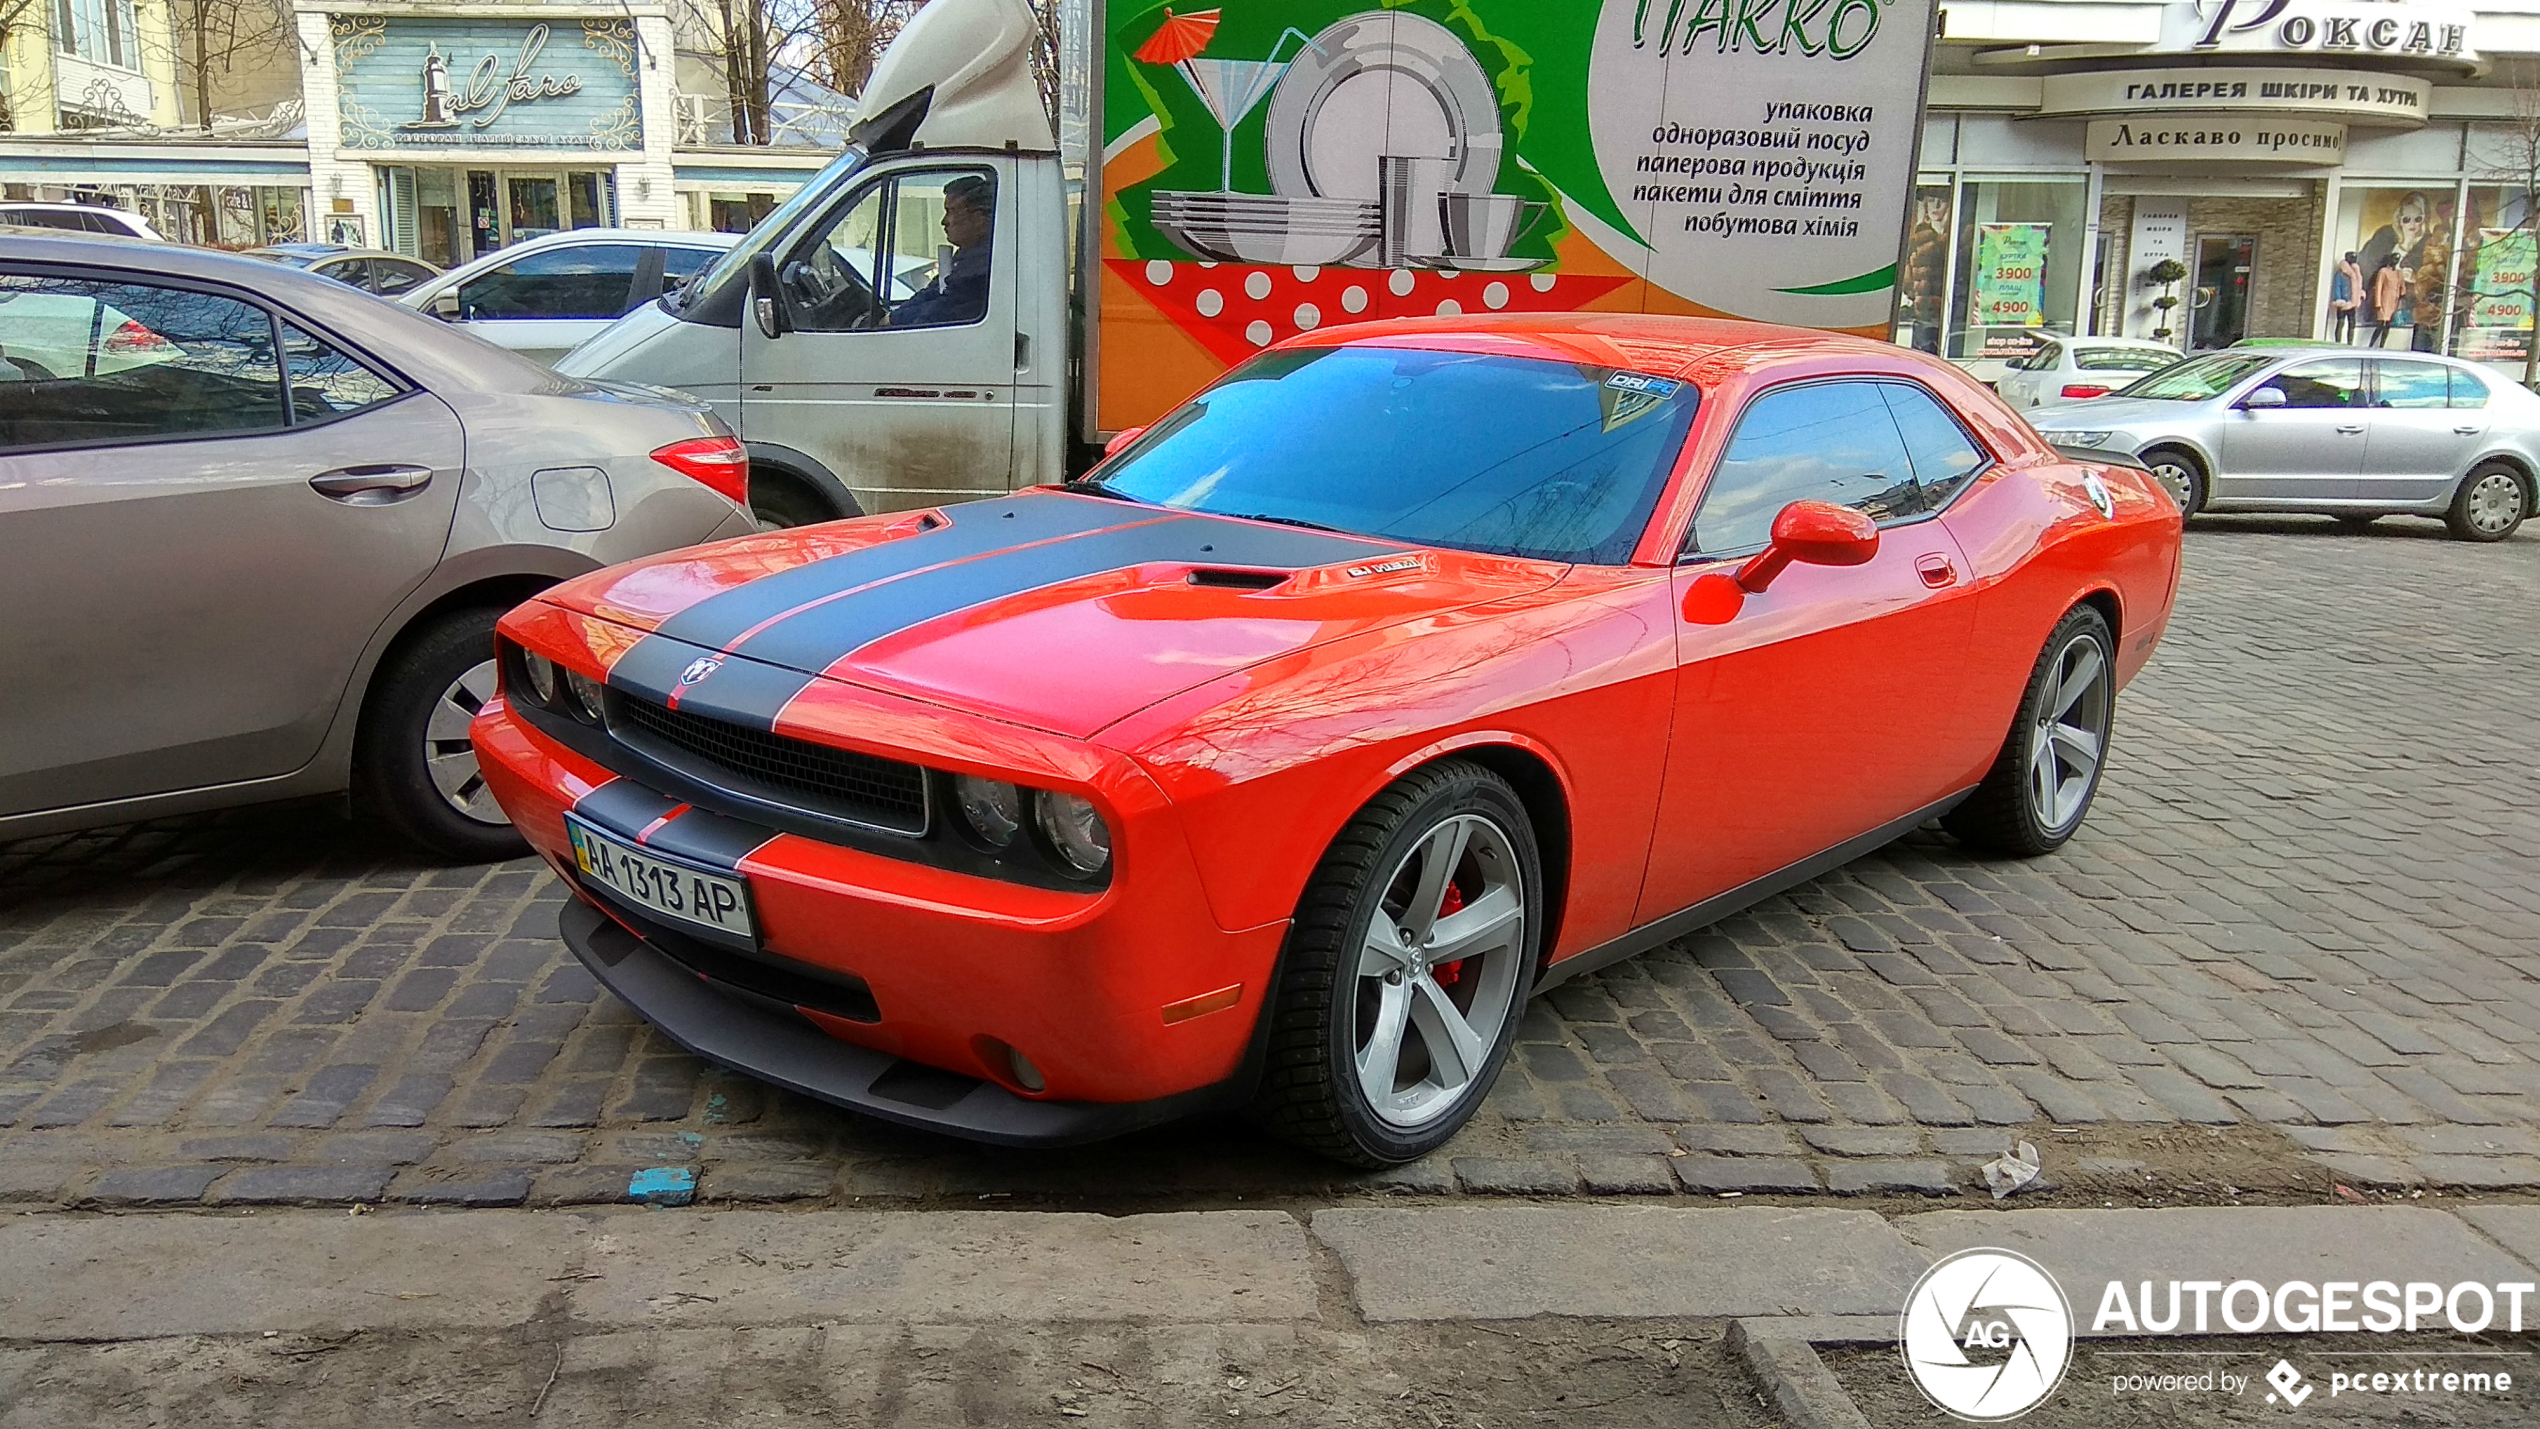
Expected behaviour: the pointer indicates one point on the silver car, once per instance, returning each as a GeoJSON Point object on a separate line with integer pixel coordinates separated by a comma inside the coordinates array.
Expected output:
{"type": "Point", "coordinates": [258, 525]}
{"type": "Point", "coordinates": [2342, 432]}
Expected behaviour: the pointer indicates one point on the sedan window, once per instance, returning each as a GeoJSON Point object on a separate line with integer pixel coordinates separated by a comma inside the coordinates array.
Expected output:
{"type": "Point", "coordinates": [1513, 456]}
{"type": "Point", "coordinates": [1825, 441]}
{"type": "Point", "coordinates": [86, 362]}
{"type": "Point", "coordinates": [390, 276]}
{"type": "Point", "coordinates": [591, 281]}
{"type": "Point", "coordinates": [2468, 388]}
{"type": "Point", "coordinates": [324, 382]}
{"type": "Point", "coordinates": [2198, 380]}
{"type": "Point", "coordinates": [2331, 382]}
{"type": "Point", "coordinates": [2411, 384]}
{"type": "Point", "coordinates": [2123, 359]}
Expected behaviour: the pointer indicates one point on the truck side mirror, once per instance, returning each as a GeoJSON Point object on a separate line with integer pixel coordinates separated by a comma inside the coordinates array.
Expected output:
{"type": "Point", "coordinates": [767, 297]}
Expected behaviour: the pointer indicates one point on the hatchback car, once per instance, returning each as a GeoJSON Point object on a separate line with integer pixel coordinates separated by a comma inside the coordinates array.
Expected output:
{"type": "Point", "coordinates": [258, 528]}
{"type": "Point", "coordinates": [1412, 667]}
{"type": "Point", "coordinates": [2352, 434]}
{"type": "Point", "coordinates": [372, 271]}
{"type": "Point", "coordinates": [2078, 369]}
{"type": "Point", "coordinates": [542, 298]}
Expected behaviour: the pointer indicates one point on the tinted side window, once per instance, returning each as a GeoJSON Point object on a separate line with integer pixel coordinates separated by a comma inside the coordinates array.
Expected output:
{"type": "Point", "coordinates": [324, 382]}
{"type": "Point", "coordinates": [2334, 382]}
{"type": "Point", "coordinates": [2468, 388]}
{"type": "Point", "coordinates": [352, 272]}
{"type": "Point", "coordinates": [83, 361]}
{"type": "Point", "coordinates": [2412, 384]}
{"type": "Point", "coordinates": [389, 276]}
{"type": "Point", "coordinates": [1945, 457]}
{"type": "Point", "coordinates": [1827, 441]}
{"type": "Point", "coordinates": [595, 281]}
{"type": "Point", "coordinates": [678, 265]}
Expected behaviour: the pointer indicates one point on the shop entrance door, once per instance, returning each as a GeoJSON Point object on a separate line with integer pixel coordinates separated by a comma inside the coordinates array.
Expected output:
{"type": "Point", "coordinates": [2223, 266]}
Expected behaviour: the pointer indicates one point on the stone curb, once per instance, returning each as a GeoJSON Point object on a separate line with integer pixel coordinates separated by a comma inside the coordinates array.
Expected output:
{"type": "Point", "coordinates": [1785, 1366]}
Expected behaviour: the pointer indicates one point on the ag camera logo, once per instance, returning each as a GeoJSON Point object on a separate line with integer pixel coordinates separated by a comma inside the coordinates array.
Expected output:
{"type": "Point", "coordinates": [1987, 1334]}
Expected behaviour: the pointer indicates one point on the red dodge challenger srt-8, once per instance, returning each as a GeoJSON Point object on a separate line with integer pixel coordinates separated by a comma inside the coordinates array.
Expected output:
{"type": "Point", "coordinates": [1408, 670]}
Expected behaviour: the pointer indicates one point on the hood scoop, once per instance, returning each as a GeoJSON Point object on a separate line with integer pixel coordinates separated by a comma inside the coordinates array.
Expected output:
{"type": "Point", "coordinates": [1220, 579]}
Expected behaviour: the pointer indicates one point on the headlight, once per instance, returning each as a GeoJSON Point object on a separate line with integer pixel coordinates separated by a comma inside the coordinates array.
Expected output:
{"type": "Point", "coordinates": [2080, 439]}
{"type": "Point", "coordinates": [1075, 831]}
{"type": "Point", "coordinates": [993, 810]}
{"type": "Point", "coordinates": [542, 678]}
{"type": "Point", "coordinates": [583, 697]}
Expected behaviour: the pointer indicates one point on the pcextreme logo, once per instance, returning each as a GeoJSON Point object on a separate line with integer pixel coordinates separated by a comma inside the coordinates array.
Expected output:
{"type": "Point", "coordinates": [1987, 1334]}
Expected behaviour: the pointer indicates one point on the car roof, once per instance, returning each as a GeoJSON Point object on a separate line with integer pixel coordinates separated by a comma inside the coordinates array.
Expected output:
{"type": "Point", "coordinates": [434, 353]}
{"type": "Point", "coordinates": [1639, 342]}
{"type": "Point", "coordinates": [674, 237]}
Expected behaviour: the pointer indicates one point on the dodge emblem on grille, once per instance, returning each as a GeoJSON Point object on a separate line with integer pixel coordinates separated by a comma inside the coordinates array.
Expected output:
{"type": "Point", "coordinates": [698, 670]}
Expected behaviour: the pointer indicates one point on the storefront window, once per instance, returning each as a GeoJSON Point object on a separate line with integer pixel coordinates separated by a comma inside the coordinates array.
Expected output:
{"type": "Point", "coordinates": [2491, 284]}
{"type": "Point", "coordinates": [2019, 265]}
{"type": "Point", "coordinates": [2401, 241]}
{"type": "Point", "coordinates": [1922, 286]}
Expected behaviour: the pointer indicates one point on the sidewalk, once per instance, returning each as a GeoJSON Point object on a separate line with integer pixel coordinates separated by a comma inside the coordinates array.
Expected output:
{"type": "Point", "coordinates": [1363, 1314]}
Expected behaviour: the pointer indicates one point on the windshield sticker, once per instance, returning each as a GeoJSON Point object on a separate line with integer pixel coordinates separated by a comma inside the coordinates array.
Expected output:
{"type": "Point", "coordinates": [1635, 382]}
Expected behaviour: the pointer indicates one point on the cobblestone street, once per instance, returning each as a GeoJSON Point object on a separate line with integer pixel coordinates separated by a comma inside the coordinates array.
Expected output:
{"type": "Point", "coordinates": [2299, 938]}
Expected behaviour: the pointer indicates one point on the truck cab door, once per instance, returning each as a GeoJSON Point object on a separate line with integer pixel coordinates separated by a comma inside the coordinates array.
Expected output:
{"type": "Point", "coordinates": [897, 372]}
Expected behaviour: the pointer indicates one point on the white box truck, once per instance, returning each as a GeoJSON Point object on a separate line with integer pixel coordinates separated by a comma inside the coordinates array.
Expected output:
{"type": "Point", "coordinates": [925, 322]}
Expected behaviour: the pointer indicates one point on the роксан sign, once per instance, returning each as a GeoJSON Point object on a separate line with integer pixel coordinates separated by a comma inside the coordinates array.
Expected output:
{"type": "Point", "coordinates": [2322, 93]}
{"type": "Point", "coordinates": [2437, 30]}
{"type": "Point", "coordinates": [2215, 139]}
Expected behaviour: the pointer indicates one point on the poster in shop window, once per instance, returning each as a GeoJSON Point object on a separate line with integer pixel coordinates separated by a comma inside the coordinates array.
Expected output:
{"type": "Point", "coordinates": [2497, 326]}
{"type": "Point", "coordinates": [2010, 278]}
{"type": "Point", "coordinates": [1273, 166]}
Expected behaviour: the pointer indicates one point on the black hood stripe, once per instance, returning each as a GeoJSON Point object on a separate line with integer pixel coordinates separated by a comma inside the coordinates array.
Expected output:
{"type": "Point", "coordinates": [742, 692]}
{"type": "Point", "coordinates": [977, 529]}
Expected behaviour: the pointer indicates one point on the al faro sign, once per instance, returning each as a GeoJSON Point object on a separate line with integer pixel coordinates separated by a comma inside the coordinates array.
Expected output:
{"type": "Point", "coordinates": [2238, 139]}
{"type": "Point", "coordinates": [460, 84]}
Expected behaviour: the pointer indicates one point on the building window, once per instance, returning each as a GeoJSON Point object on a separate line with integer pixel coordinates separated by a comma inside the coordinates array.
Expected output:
{"type": "Point", "coordinates": [2019, 265]}
{"type": "Point", "coordinates": [2490, 284]}
{"type": "Point", "coordinates": [101, 31]}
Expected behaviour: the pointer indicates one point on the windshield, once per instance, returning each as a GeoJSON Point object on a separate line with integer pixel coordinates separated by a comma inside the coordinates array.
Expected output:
{"type": "Point", "coordinates": [2123, 359]}
{"type": "Point", "coordinates": [764, 233]}
{"type": "Point", "coordinates": [1505, 455]}
{"type": "Point", "coordinates": [2198, 379]}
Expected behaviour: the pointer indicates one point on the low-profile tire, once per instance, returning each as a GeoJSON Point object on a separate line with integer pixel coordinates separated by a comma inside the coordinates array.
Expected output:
{"type": "Point", "coordinates": [1406, 970]}
{"type": "Point", "coordinates": [780, 501]}
{"type": "Point", "coordinates": [2491, 504]}
{"type": "Point", "coordinates": [2041, 786]}
{"type": "Point", "coordinates": [412, 763]}
{"type": "Point", "coordinates": [2180, 474]}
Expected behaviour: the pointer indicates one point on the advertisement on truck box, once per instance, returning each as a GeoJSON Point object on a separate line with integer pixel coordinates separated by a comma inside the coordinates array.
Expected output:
{"type": "Point", "coordinates": [1271, 166]}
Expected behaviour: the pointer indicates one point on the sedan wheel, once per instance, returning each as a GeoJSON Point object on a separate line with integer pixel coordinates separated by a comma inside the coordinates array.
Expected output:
{"type": "Point", "coordinates": [448, 753]}
{"type": "Point", "coordinates": [2180, 476]}
{"type": "Point", "coordinates": [412, 762]}
{"type": "Point", "coordinates": [2042, 783]}
{"type": "Point", "coordinates": [2490, 506]}
{"type": "Point", "coordinates": [1406, 970]}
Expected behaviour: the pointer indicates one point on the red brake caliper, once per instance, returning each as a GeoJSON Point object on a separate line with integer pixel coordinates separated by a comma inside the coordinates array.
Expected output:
{"type": "Point", "coordinates": [1453, 903]}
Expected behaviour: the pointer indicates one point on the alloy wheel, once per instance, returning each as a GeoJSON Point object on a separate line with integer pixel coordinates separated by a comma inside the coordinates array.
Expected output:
{"type": "Point", "coordinates": [2071, 734]}
{"type": "Point", "coordinates": [2495, 503]}
{"type": "Point", "coordinates": [447, 753]}
{"type": "Point", "coordinates": [1438, 966]}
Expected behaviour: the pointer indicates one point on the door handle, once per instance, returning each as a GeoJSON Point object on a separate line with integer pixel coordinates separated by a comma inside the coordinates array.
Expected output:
{"type": "Point", "coordinates": [1936, 570]}
{"type": "Point", "coordinates": [372, 485]}
{"type": "Point", "coordinates": [2469, 431]}
{"type": "Point", "coordinates": [2350, 431]}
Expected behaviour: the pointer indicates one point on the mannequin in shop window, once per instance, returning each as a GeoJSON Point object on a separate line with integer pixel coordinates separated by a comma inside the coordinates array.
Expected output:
{"type": "Point", "coordinates": [2345, 295]}
{"type": "Point", "coordinates": [2389, 296]}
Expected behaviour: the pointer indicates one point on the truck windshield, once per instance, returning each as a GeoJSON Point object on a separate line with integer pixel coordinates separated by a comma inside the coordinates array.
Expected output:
{"type": "Point", "coordinates": [734, 266]}
{"type": "Point", "coordinates": [1504, 455]}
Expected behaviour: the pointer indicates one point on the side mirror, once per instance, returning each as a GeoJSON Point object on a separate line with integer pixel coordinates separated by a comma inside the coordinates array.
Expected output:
{"type": "Point", "coordinates": [2262, 399]}
{"type": "Point", "coordinates": [1121, 442]}
{"type": "Point", "coordinates": [446, 306]}
{"type": "Point", "coordinates": [1815, 533]}
{"type": "Point", "coordinates": [767, 298]}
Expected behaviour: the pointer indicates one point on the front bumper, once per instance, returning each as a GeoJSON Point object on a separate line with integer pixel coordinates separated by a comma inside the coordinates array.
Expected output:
{"type": "Point", "coordinates": [726, 1024]}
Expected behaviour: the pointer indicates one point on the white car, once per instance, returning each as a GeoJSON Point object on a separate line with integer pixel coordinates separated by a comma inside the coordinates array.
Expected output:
{"type": "Point", "coordinates": [2077, 369]}
{"type": "Point", "coordinates": [79, 218]}
{"type": "Point", "coordinates": [541, 298]}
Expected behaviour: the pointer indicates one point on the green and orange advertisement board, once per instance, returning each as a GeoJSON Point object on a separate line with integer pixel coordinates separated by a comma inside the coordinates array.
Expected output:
{"type": "Point", "coordinates": [1270, 166]}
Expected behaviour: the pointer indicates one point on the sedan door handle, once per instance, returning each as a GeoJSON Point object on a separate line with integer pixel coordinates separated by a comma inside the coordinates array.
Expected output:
{"type": "Point", "coordinates": [373, 485]}
{"type": "Point", "coordinates": [2469, 431]}
{"type": "Point", "coordinates": [2353, 431]}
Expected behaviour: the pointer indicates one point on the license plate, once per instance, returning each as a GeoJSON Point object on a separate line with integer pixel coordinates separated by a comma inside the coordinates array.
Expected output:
{"type": "Point", "coordinates": [671, 889]}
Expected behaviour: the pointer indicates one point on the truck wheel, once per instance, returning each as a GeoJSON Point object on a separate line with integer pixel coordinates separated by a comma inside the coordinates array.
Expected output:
{"type": "Point", "coordinates": [1406, 971]}
{"type": "Point", "coordinates": [412, 762]}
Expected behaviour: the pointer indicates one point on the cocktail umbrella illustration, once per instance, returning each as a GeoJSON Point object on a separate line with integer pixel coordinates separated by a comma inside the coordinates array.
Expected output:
{"type": "Point", "coordinates": [1230, 88]}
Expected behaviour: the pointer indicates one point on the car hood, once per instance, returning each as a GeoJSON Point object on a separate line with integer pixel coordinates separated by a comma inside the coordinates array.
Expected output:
{"type": "Point", "coordinates": [2104, 412]}
{"type": "Point", "coordinates": [603, 351]}
{"type": "Point", "coordinates": [1064, 613]}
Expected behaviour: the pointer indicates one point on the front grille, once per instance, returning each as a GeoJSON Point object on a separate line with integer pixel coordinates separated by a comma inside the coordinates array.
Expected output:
{"type": "Point", "coordinates": [771, 768]}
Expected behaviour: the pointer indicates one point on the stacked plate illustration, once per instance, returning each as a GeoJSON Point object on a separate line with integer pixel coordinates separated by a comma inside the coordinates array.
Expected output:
{"type": "Point", "coordinates": [1268, 228]}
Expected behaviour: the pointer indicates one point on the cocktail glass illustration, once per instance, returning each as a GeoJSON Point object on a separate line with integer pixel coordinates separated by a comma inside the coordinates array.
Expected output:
{"type": "Point", "coordinates": [1231, 89]}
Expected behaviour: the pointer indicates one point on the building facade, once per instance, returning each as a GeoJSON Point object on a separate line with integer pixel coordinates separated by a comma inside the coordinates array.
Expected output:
{"type": "Point", "coordinates": [2075, 150]}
